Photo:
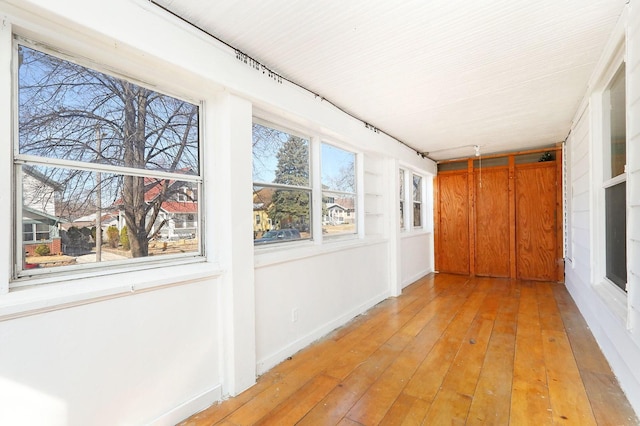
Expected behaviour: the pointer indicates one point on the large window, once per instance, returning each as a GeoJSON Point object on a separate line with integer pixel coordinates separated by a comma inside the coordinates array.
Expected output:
{"type": "Point", "coordinates": [615, 149]}
{"type": "Point", "coordinates": [285, 185]}
{"type": "Point", "coordinates": [106, 170]}
{"type": "Point", "coordinates": [338, 191]}
{"type": "Point", "coordinates": [282, 186]}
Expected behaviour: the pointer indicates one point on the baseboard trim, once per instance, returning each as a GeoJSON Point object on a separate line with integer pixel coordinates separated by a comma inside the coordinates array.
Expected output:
{"type": "Point", "coordinates": [416, 277]}
{"type": "Point", "coordinates": [190, 407]}
{"type": "Point", "coordinates": [274, 359]}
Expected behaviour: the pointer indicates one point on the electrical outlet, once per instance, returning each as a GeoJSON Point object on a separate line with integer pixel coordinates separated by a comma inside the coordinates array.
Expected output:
{"type": "Point", "coordinates": [294, 315]}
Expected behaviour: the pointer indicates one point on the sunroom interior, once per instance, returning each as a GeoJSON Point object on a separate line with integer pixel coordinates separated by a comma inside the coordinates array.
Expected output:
{"type": "Point", "coordinates": [263, 172]}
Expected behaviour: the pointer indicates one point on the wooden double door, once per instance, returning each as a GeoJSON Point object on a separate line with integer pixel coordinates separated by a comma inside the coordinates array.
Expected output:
{"type": "Point", "coordinates": [501, 221]}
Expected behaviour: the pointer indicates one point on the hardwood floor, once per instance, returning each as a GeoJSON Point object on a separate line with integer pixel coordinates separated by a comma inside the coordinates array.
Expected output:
{"type": "Point", "coordinates": [450, 350]}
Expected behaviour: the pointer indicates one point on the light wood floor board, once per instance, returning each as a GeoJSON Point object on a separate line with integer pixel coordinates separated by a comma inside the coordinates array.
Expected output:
{"type": "Point", "coordinates": [450, 350]}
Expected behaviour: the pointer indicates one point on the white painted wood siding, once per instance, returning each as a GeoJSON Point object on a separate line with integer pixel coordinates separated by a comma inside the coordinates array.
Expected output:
{"type": "Point", "coordinates": [633, 168]}
{"type": "Point", "coordinates": [613, 317]}
{"type": "Point", "coordinates": [579, 145]}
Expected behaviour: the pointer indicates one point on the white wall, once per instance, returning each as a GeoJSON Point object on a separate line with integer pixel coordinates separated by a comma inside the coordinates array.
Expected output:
{"type": "Point", "coordinates": [160, 344]}
{"type": "Point", "coordinates": [612, 316]}
{"type": "Point", "coordinates": [327, 290]}
{"type": "Point", "coordinates": [127, 360]}
{"type": "Point", "coordinates": [417, 256]}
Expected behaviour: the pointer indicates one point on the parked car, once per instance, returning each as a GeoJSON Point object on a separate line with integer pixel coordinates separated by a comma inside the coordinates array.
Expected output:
{"type": "Point", "coordinates": [278, 235]}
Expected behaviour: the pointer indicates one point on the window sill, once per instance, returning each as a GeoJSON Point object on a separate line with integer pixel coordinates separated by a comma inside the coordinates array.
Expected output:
{"type": "Point", "coordinates": [614, 298]}
{"type": "Point", "coordinates": [36, 299]}
{"type": "Point", "coordinates": [414, 233]}
{"type": "Point", "coordinates": [301, 250]}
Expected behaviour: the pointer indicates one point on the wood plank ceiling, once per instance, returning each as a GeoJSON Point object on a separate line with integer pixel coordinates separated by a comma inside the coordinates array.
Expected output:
{"type": "Point", "coordinates": [439, 75]}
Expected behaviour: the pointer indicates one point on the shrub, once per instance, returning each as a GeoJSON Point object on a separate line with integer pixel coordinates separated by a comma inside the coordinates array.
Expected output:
{"type": "Point", "coordinates": [124, 239]}
{"type": "Point", "coordinates": [74, 234]}
{"type": "Point", "coordinates": [114, 236]}
{"type": "Point", "coordinates": [42, 250]}
{"type": "Point", "coordinates": [86, 232]}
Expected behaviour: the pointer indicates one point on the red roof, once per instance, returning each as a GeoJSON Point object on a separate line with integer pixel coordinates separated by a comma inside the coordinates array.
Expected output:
{"type": "Point", "coordinates": [180, 207]}
{"type": "Point", "coordinates": [154, 187]}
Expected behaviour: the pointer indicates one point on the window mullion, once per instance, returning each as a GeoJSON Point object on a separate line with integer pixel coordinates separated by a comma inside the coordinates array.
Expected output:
{"type": "Point", "coordinates": [24, 159]}
{"type": "Point", "coordinates": [316, 183]}
{"type": "Point", "coordinates": [282, 186]}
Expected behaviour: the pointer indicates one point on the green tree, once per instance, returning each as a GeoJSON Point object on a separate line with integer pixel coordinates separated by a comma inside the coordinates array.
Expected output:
{"type": "Point", "coordinates": [114, 236]}
{"type": "Point", "coordinates": [124, 239]}
{"type": "Point", "coordinates": [290, 208]}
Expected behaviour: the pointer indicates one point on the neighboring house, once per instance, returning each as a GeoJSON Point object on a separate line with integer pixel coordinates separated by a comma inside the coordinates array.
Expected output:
{"type": "Point", "coordinates": [177, 217]}
{"type": "Point", "coordinates": [107, 219]}
{"type": "Point", "coordinates": [40, 225]}
{"type": "Point", "coordinates": [339, 211]}
{"type": "Point", "coordinates": [261, 202]}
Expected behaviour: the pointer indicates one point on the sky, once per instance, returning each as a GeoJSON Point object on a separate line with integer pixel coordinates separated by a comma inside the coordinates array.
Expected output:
{"type": "Point", "coordinates": [333, 159]}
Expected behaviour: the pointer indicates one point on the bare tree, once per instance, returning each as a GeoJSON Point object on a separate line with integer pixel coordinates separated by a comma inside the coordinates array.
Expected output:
{"type": "Point", "coordinates": [64, 105]}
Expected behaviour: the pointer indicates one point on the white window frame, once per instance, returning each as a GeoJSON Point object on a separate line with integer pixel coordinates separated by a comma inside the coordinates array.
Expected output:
{"type": "Point", "coordinates": [34, 232]}
{"type": "Point", "coordinates": [402, 194]}
{"type": "Point", "coordinates": [30, 278]}
{"type": "Point", "coordinates": [415, 200]}
{"type": "Point", "coordinates": [316, 139]}
{"type": "Point", "coordinates": [613, 296]}
{"type": "Point", "coordinates": [308, 188]}
{"type": "Point", "coordinates": [354, 195]}
{"type": "Point", "coordinates": [426, 193]}
{"type": "Point", "coordinates": [601, 132]}
{"type": "Point", "coordinates": [609, 181]}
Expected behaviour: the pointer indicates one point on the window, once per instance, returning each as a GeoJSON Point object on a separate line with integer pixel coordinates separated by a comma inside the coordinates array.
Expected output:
{"type": "Point", "coordinates": [414, 192]}
{"type": "Point", "coordinates": [281, 185]}
{"type": "Point", "coordinates": [105, 168]}
{"type": "Point", "coordinates": [417, 201]}
{"type": "Point", "coordinates": [338, 191]}
{"type": "Point", "coordinates": [615, 148]}
{"type": "Point", "coordinates": [32, 232]}
{"type": "Point", "coordinates": [402, 198]}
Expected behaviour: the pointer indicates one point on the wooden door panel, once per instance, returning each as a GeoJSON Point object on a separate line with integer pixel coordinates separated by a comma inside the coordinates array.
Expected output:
{"type": "Point", "coordinates": [453, 233]}
{"type": "Point", "coordinates": [536, 222]}
{"type": "Point", "coordinates": [492, 222]}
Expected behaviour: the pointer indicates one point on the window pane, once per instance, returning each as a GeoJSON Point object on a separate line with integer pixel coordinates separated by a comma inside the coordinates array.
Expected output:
{"type": "Point", "coordinates": [338, 169]}
{"type": "Point", "coordinates": [338, 214]}
{"type": "Point", "coordinates": [618, 123]}
{"type": "Point", "coordinates": [159, 216]}
{"type": "Point", "coordinates": [616, 229]}
{"type": "Point", "coordinates": [279, 157]}
{"type": "Point", "coordinates": [417, 201]}
{"type": "Point", "coordinates": [281, 215]}
{"type": "Point", "coordinates": [402, 198]}
{"type": "Point", "coordinates": [42, 231]}
{"type": "Point", "coordinates": [417, 188]}
{"type": "Point", "coordinates": [27, 232]}
{"type": "Point", "coordinates": [70, 112]}
{"type": "Point", "coordinates": [417, 215]}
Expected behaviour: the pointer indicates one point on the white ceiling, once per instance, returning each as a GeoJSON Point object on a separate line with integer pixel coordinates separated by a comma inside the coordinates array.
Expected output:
{"type": "Point", "coordinates": [439, 75]}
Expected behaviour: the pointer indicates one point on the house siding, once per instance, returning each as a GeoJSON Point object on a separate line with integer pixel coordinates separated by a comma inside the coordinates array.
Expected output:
{"type": "Point", "coordinates": [613, 317]}
{"type": "Point", "coordinates": [579, 215]}
{"type": "Point", "coordinates": [633, 167]}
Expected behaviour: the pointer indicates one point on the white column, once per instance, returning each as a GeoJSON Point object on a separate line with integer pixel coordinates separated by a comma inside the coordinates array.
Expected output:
{"type": "Point", "coordinates": [6, 99]}
{"type": "Point", "coordinates": [393, 228]}
{"type": "Point", "coordinates": [228, 183]}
